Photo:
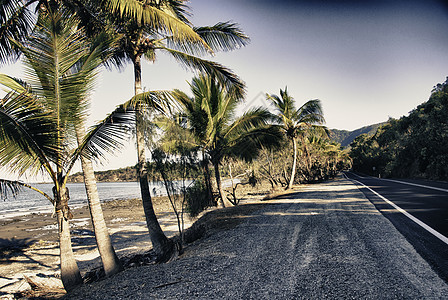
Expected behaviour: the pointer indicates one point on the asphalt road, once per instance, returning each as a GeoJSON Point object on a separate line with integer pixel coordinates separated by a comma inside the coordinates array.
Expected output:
{"type": "Point", "coordinates": [425, 200]}
{"type": "Point", "coordinates": [325, 242]}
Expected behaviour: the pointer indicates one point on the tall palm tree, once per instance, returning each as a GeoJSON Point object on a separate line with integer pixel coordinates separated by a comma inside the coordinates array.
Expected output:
{"type": "Point", "coordinates": [211, 116]}
{"type": "Point", "coordinates": [18, 18]}
{"type": "Point", "coordinates": [140, 40]}
{"type": "Point", "coordinates": [38, 120]}
{"type": "Point", "coordinates": [111, 264]}
{"type": "Point", "coordinates": [295, 121]}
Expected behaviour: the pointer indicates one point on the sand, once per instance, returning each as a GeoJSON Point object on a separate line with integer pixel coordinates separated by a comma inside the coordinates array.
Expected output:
{"type": "Point", "coordinates": [29, 248]}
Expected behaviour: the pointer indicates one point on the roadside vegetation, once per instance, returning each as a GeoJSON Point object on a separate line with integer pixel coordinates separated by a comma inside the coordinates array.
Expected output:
{"type": "Point", "coordinates": [414, 146]}
{"type": "Point", "coordinates": [203, 137]}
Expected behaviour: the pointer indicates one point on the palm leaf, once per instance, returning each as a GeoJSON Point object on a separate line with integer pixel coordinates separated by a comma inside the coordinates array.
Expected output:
{"type": "Point", "coordinates": [311, 113]}
{"type": "Point", "coordinates": [13, 188]}
{"type": "Point", "coordinates": [9, 188]}
{"type": "Point", "coordinates": [156, 18]}
{"type": "Point", "coordinates": [254, 118]}
{"type": "Point", "coordinates": [107, 136]}
{"type": "Point", "coordinates": [231, 82]}
{"type": "Point", "coordinates": [27, 135]}
{"type": "Point", "coordinates": [223, 36]}
{"type": "Point", "coordinates": [16, 21]}
{"type": "Point", "coordinates": [160, 101]}
{"type": "Point", "coordinates": [13, 84]}
{"type": "Point", "coordinates": [248, 144]}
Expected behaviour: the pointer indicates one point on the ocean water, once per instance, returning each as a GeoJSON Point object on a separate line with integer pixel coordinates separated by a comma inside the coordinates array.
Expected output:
{"type": "Point", "coordinates": [29, 201]}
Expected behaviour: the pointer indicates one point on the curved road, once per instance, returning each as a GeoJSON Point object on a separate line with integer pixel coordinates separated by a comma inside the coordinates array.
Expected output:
{"type": "Point", "coordinates": [326, 241]}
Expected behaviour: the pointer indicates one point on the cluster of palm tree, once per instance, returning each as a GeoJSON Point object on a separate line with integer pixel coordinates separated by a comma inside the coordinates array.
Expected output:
{"type": "Point", "coordinates": [65, 43]}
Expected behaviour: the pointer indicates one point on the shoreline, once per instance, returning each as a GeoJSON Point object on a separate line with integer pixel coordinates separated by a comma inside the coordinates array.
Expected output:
{"type": "Point", "coordinates": [29, 244]}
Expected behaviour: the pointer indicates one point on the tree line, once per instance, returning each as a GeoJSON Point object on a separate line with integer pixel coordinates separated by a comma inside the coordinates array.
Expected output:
{"type": "Point", "coordinates": [414, 146]}
{"type": "Point", "coordinates": [64, 45]}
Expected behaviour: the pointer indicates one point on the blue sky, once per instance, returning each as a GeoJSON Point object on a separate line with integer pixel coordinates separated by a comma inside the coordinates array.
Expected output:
{"type": "Point", "coordinates": [365, 60]}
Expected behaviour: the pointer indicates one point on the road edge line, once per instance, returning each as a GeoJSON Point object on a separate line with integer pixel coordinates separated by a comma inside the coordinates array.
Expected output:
{"type": "Point", "coordinates": [418, 185]}
{"type": "Point", "coordinates": [422, 224]}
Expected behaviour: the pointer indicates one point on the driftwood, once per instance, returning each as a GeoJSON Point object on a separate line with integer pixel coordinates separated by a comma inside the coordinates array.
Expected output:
{"type": "Point", "coordinates": [168, 284]}
{"type": "Point", "coordinates": [44, 283]}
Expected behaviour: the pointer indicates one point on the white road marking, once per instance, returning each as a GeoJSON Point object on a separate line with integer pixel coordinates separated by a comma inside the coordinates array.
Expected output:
{"type": "Point", "coordinates": [423, 225]}
{"type": "Point", "coordinates": [419, 185]}
{"type": "Point", "coordinates": [404, 182]}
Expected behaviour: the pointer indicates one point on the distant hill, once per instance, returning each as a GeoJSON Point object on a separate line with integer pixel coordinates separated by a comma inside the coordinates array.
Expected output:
{"type": "Point", "coordinates": [345, 137]}
{"type": "Point", "coordinates": [123, 174]}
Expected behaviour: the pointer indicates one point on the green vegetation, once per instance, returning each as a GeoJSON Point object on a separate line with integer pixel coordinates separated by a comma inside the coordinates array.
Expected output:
{"type": "Point", "coordinates": [42, 119]}
{"type": "Point", "coordinates": [210, 116]}
{"type": "Point", "coordinates": [296, 123]}
{"type": "Point", "coordinates": [414, 146]}
{"type": "Point", "coordinates": [39, 119]}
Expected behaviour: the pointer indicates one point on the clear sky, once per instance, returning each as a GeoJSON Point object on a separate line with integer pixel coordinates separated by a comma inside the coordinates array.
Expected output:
{"type": "Point", "coordinates": [365, 60]}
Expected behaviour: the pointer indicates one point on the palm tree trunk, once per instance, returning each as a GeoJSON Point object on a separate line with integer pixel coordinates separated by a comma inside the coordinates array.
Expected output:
{"type": "Point", "coordinates": [208, 181]}
{"type": "Point", "coordinates": [218, 183]}
{"type": "Point", "coordinates": [70, 275]}
{"type": "Point", "coordinates": [111, 263]}
{"type": "Point", "coordinates": [294, 163]}
{"type": "Point", "coordinates": [162, 246]}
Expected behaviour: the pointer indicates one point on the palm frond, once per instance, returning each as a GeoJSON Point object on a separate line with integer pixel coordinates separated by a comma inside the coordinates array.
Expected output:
{"type": "Point", "coordinates": [160, 101]}
{"type": "Point", "coordinates": [16, 21]}
{"type": "Point", "coordinates": [9, 188]}
{"type": "Point", "coordinates": [176, 138]}
{"type": "Point", "coordinates": [232, 83]}
{"type": "Point", "coordinates": [254, 118]}
{"type": "Point", "coordinates": [220, 37]}
{"type": "Point", "coordinates": [13, 188]}
{"type": "Point", "coordinates": [310, 112]}
{"type": "Point", "coordinates": [156, 18]}
{"type": "Point", "coordinates": [54, 56]}
{"type": "Point", "coordinates": [175, 8]}
{"type": "Point", "coordinates": [223, 36]}
{"type": "Point", "coordinates": [247, 145]}
{"type": "Point", "coordinates": [107, 136]}
{"type": "Point", "coordinates": [27, 135]}
{"type": "Point", "coordinates": [182, 99]}
{"type": "Point", "coordinates": [13, 84]}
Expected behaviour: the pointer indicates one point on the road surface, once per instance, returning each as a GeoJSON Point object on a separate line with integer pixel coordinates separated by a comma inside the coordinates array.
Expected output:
{"type": "Point", "coordinates": [424, 200]}
{"type": "Point", "coordinates": [326, 241]}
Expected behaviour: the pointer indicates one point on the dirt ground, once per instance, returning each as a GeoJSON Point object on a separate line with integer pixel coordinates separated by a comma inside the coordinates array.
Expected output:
{"type": "Point", "coordinates": [326, 241]}
{"type": "Point", "coordinates": [29, 248]}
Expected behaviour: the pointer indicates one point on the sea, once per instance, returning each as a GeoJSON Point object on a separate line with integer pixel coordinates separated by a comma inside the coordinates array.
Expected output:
{"type": "Point", "coordinates": [29, 201]}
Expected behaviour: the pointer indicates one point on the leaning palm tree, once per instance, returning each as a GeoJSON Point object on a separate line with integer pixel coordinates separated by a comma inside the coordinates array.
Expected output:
{"type": "Point", "coordinates": [143, 40]}
{"type": "Point", "coordinates": [211, 117]}
{"type": "Point", "coordinates": [295, 121]}
{"type": "Point", "coordinates": [38, 120]}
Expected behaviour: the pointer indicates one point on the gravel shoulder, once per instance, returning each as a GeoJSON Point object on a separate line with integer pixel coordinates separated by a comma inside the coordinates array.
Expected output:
{"type": "Point", "coordinates": [327, 241]}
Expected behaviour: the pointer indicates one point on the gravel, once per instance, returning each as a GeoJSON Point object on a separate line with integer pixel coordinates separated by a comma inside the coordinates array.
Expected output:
{"type": "Point", "coordinates": [326, 241]}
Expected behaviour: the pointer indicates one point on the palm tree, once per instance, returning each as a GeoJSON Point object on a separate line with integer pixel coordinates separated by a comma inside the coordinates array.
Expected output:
{"type": "Point", "coordinates": [295, 122]}
{"type": "Point", "coordinates": [38, 120]}
{"type": "Point", "coordinates": [211, 119]}
{"type": "Point", "coordinates": [140, 40]}
{"type": "Point", "coordinates": [18, 18]}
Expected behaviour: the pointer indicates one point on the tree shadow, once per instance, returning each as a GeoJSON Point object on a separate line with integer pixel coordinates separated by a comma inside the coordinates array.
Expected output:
{"type": "Point", "coordinates": [14, 250]}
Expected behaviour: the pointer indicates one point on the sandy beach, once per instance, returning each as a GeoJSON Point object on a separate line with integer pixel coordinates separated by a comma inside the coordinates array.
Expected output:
{"type": "Point", "coordinates": [29, 248]}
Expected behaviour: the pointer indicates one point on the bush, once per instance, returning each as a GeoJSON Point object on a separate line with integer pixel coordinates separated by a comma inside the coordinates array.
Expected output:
{"type": "Point", "coordinates": [196, 198]}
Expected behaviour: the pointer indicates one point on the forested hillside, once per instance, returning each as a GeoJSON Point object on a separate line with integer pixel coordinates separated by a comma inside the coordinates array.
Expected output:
{"type": "Point", "coordinates": [415, 146]}
{"type": "Point", "coordinates": [345, 137]}
{"type": "Point", "coordinates": [122, 174]}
